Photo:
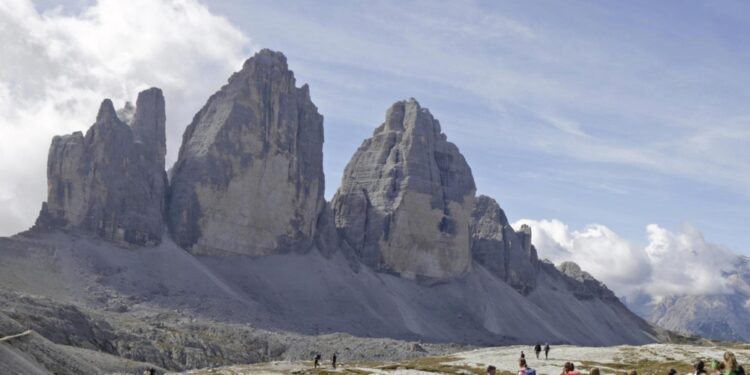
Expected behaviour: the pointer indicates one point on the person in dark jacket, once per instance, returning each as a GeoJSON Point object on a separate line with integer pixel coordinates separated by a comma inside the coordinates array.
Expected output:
{"type": "Point", "coordinates": [546, 350]}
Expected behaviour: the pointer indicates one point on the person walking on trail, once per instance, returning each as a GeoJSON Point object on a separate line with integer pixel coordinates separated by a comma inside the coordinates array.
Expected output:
{"type": "Point", "coordinates": [333, 360]}
{"type": "Point", "coordinates": [523, 356]}
{"type": "Point", "coordinates": [546, 350]}
{"type": "Point", "coordinates": [317, 360]}
{"type": "Point", "coordinates": [524, 369]}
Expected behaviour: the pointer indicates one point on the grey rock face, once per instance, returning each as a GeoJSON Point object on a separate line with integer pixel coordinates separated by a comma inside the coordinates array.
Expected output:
{"type": "Point", "coordinates": [111, 181]}
{"type": "Point", "coordinates": [585, 286]}
{"type": "Point", "coordinates": [406, 197]}
{"type": "Point", "coordinates": [503, 251]}
{"type": "Point", "coordinates": [249, 178]}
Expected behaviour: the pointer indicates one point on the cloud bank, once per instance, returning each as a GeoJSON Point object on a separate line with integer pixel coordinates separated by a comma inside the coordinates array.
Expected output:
{"type": "Point", "coordinates": [671, 263]}
{"type": "Point", "coordinates": [57, 68]}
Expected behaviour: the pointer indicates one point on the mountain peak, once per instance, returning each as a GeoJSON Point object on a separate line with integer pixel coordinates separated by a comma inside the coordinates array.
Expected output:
{"type": "Point", "coordinates": [266, 58]}
{"type": "Point", "coordinates": [106, 111]}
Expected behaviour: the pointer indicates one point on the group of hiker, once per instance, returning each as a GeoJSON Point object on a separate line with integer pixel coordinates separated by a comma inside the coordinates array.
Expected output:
{"type": "Point", "coordinates": [728, 366]}
{"type": "Point", "coordinates": [318, 358]}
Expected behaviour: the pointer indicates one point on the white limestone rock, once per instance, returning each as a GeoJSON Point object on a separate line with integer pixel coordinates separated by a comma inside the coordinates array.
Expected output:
{"type": "Point", "coordinates": [249, 177]}
{"type": "Point", "coordinates": [406, 198]}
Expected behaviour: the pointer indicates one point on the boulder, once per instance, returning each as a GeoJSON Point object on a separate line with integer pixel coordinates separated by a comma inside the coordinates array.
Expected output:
{"type": "Point", "coordinates": [249, 176]}
{"type": "Point", "coordinates": [406, 197]}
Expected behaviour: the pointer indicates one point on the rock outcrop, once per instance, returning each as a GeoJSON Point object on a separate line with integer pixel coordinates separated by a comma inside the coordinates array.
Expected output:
{"type": "Point", "coordinates": [499, 248]}
{"type": "Point", "coordinates": [406, 198]}
{"type": "Point", "coordinates": [249, 177]}
{"type": "Point", "coordinates": [111, 181]}
{"type": "Point", "coordinates": [583, 285]}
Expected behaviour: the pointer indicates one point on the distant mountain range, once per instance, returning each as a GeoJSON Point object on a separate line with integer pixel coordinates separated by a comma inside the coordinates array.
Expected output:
{"type": "Point", "coordinates": [719, 316]}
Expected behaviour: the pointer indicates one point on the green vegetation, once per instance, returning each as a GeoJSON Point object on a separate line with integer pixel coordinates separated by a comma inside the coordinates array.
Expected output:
{"type": "Point", "coordinates": [643, 366]}
{"type": "Point", "coordinates": [438, 365]}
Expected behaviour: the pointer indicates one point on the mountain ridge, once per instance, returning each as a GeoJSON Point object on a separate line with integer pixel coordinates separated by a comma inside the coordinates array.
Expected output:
{"type": "Point", "coordinates": [405, 249]}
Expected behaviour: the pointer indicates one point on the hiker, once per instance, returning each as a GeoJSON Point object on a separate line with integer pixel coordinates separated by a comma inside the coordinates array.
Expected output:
{"type": "Point", "coordinates": [595, 371]}
{"type": "Point", "coordinates": [317, 360]}
{"type": "Point", "coordinates": [699, 367]}
{"type": "Point", "coordinates": [730, 364]}
{"type": "Point", "coordinates": [491, 370]}
{"type": "Point", "coordinates": [546, 350]}
{"type": "Point", "coordinates": [333, 360]}
{"type": "Point", "coordinates": [537, 350]}
{"type": "Point", "coordinates": [523, 356]}
{"type": "Point", "coordinates": [570, 369]}
{"type": "Point", "coordinates": [524, 369]}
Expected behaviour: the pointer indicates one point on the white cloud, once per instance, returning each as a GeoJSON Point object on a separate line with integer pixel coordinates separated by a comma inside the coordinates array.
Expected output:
{"type": "Point", "coordinates": [58, 67]}
{"type": "Point", "coordinates": [672, 263]}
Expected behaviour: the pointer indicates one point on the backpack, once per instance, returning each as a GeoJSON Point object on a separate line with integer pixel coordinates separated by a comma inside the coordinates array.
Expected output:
{"type": "Point", "coordinates": [530, 371]}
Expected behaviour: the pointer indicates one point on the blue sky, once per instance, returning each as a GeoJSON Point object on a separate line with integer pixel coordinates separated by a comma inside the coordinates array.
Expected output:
{"type": "Point", "coordinates": [622, 113]}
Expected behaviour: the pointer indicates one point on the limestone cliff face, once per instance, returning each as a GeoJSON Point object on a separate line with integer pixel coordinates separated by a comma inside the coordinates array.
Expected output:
{"type": "Point", "coordinates": [499, 248]}
{"type": "Point", "coordinates": [249, 177]}
{"type": "Point", "coordinates": [406, 198]}
{"type": "Point", "coordinates": [111, 181]}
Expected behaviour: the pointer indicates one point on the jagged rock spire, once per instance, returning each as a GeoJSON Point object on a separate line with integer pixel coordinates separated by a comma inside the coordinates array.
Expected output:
{"type": "Point", "coordinates": [406, 197]}
{"type": "Point", "coordinates": [107, 182]}
{"type": "Point", "coordinates": [249, 178]}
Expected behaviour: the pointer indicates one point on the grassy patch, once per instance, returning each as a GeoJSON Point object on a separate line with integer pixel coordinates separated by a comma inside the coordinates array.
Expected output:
{"type": "Point", "coordinates": [642, 366]}
{"type": "Point", "coordinates": [439, 365]}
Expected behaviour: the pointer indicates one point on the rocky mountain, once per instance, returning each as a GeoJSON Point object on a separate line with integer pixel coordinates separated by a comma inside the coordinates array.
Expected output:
{"type": "Point", "coordinates": [405, 250]}
{"type": "Point", "coordinates": [111, 181]}
{"type": "Point", "coordinates": [719, 316]}
{"type": "Point", "coordinates": [249, 178]}
{"type": "Point", "coordinates": [502, 250]}
{"type": "Point", "coordinates": [406, 198]}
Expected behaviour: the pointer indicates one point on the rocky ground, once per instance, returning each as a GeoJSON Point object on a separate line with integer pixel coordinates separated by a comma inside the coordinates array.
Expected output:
{"type": "Point", "coordinates": [647, 360]}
